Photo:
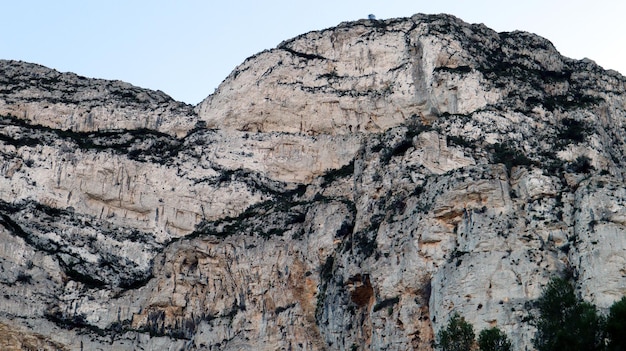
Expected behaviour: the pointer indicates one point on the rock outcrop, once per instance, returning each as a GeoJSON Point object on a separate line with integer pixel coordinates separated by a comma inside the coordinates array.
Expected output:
{"type": "Point", "coordinates": [67, 101]}
{"type": "Point", "coordinates": [349, 189]}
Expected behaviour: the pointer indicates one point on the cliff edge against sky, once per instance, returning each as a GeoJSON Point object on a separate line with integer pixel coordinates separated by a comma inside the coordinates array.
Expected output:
{"type": "Point", "coordinates": [349, 189]}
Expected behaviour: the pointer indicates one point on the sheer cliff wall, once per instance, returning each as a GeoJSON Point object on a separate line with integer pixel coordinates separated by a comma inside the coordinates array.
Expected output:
{"type": "Point", "coordinates": [351, 188]}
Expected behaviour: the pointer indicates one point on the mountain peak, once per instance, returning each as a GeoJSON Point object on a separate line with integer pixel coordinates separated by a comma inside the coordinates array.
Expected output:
{"type": "Point", "coordinates": [371, 75]}
{"type": "Point", "coordinates": [352, 187]}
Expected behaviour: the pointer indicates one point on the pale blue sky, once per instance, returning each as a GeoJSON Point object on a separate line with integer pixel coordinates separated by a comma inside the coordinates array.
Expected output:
{"type": "Point", "coordinates": [187, 47]}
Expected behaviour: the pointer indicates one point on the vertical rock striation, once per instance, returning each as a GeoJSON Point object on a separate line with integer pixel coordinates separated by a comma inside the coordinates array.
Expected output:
{"type": "Point", "coordinates": [349, 189]}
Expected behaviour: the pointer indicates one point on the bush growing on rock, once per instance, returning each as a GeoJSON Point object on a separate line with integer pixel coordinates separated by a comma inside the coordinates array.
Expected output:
{"type": "Point", "coordinates": [457, 336]}
{"type": "Point", "coordinates": [493, 339]}
{"type": "Point", "coordinates": [616, 326]}
{"type": "Point", "coordinates": [566, 322]}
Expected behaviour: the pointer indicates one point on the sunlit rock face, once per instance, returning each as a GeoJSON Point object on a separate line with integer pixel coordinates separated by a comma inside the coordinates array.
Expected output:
{"type": "Point", "coordinates": [66, 101]}
{"type": "Point", "coordinates": [349, 189]}
{"type": "Point", "coordinates": [359, 77]}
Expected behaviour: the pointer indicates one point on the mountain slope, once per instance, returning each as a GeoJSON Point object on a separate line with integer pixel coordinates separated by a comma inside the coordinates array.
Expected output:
{"type": "Point", "coordinates": [350, 188]}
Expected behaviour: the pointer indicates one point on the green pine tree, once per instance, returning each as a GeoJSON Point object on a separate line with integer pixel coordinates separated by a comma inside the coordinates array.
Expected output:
{"type": "Point", "coordinates": [616, 326]}
{"type": "Point", "coordinates": [565, 322]}
{"type": "Point", "coordinates": [457, 336]}
{"type": "Point", "coordinates": [493, 340]}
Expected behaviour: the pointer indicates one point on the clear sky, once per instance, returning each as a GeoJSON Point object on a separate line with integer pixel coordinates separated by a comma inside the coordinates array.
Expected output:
{"type": "Point", "coordinates": [187, 47]}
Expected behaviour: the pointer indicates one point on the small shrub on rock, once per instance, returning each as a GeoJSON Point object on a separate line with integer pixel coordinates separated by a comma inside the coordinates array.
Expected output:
{"type": "Point", "coordinates": [457, 336]}
{"type": "Point", "coordinates": [493, 340]}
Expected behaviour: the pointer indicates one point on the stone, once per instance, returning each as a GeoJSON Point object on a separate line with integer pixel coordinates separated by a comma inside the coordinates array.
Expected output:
{"type": "Point", "coordinates": [351, 188]}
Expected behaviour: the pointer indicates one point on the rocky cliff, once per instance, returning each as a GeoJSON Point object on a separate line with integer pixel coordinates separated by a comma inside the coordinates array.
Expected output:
{"type": "Point", "coordinates": [349, 189]}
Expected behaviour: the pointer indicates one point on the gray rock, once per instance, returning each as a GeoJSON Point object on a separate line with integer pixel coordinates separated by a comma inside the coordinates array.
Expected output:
{"type": "Point", "coordinates": [351, 188]}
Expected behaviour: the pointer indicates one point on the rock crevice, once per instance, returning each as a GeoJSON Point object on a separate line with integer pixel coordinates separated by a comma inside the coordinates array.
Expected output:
{"type": "Point", "coordinates": [352, 188]}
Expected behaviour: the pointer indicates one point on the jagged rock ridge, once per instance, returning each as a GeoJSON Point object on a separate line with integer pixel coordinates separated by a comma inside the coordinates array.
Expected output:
{"type": "Point", "coordinates": [349, 189]}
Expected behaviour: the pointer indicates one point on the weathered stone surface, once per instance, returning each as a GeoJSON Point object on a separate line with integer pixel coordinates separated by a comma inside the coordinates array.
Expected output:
{"type": "Point", "coordinates": [16, 339]}
{"type": "Point", "coordinates": [67, 101]}
{"type": "Point", "coordinates": [600, 240]}
{"type": "Point", "coordinates": [361, 76]}
{"type": "Point", "coordinates": [351, 188]}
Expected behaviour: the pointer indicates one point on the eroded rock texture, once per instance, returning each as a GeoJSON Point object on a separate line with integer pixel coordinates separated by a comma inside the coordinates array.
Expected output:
{"type": "Point", "coordinates": [349, 189]}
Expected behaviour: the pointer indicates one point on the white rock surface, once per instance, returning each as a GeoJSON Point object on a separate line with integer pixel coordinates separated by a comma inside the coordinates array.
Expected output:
{"type": "Point", "coordinates": [351, 188]}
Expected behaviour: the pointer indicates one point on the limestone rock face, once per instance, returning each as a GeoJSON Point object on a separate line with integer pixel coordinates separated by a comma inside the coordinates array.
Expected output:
{"type": "Point", "coordinates": [67, 101]}
{"type": "Point", "coordinates": [361, 77]}
{"type": "Point", "coordinates": [349, 189]}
